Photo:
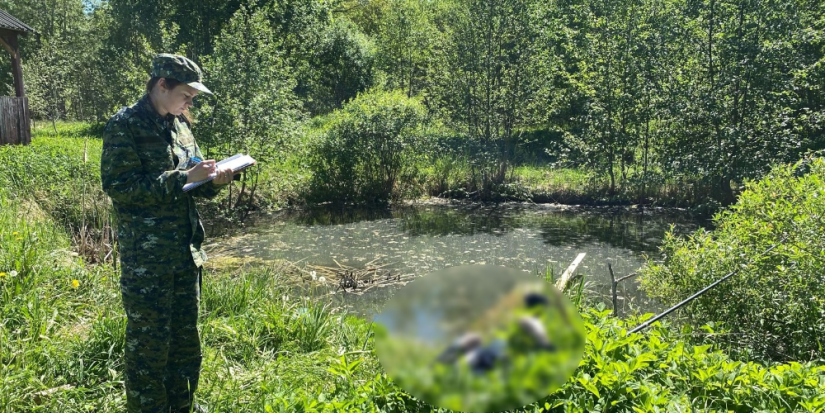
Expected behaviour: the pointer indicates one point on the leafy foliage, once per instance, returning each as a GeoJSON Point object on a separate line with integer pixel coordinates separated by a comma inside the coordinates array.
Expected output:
{"type": "Point", "coordinates": [256, 110]}
{"type": "Point", "coordinates": [407, 37]}
{"type": "Point", "coordinates": [643, 95]}
{"type": "Point", "coordinates": [483, 90]}
{"type": "Point", "coordinates": [342, 66]}
{"type": "Point", "coordinates": [658, 371]}
{"type": "Point", "coordinates": [772, 308]}
{"type": "Point", "coordinates": [365, 149]}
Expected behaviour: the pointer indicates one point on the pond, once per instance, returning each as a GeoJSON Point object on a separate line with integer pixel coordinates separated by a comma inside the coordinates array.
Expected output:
{"type": "Point", "coordinates": [420, 238]}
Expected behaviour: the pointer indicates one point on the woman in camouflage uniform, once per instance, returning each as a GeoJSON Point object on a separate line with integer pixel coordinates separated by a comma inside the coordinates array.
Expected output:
{"type": "Point", "coordinates": [149, 154]}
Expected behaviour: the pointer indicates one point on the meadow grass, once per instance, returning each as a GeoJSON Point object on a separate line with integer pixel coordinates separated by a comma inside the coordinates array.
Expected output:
{"type": "Point", "coordinates": [268, 350]}
{"type": "Point", "coordinates": [546, 183]}
{"type": "Point", "coordinates": [452, 177]}
{"type": "Point", "coordinates": [59, 175]}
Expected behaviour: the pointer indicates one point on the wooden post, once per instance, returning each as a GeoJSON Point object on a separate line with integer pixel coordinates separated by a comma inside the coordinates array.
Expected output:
{"type": "Point", "coordinates": [9, 41]}
{"type": "Point", "coordinates": [17, 69]}
{"type": "Point", "coordinates": [613, 290]}
{"type": "Point", "coordinates": [567, 276]}
{"type": "Point", "coordinates": [15, 126]}
{"type": "Point", "coordinates": [614, 284]}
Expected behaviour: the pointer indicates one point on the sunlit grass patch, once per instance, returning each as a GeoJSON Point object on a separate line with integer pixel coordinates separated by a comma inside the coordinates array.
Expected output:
{"type": "Point", "coordinates": [58, 176]}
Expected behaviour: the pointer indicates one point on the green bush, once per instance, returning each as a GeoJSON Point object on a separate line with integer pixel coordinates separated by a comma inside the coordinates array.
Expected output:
{"type": "Point", "coordinates": [772, 309]}
{"type": "Point", "coordinates": [657, 371]}
{"type": "Point", "coordinates": [342, 66]}
{"type": "Point", "coordinates": [365, 148]}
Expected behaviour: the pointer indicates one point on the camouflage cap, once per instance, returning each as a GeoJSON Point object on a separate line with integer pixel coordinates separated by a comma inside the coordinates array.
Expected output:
{"type": "Point", "coordinates": [179, 68]}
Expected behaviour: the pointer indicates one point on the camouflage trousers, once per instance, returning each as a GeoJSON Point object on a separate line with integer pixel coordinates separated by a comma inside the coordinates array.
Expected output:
{"type": "Point", "coordinates": [163, 352]}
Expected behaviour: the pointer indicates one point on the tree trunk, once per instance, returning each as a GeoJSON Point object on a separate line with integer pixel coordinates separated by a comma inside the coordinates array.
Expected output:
{"type": "Point", "coordinates": [644, 169]}
{"type": "Point", "coordinates": [623, 166]}
{"type": "Point", "coordinates": [502, 171]}
{"type": "Point", "coordinates": [11, 45]}
{"type": "Point", "coordinates": [725, 191]}
{"type": "Point", "coordinates": [610, 162]}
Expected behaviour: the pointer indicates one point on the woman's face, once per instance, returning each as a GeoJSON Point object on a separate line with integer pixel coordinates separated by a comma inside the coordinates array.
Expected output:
{"type": "Point", "coordinates": [177, 100]}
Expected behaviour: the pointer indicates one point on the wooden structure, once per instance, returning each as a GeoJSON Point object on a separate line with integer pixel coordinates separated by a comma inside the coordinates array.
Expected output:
{"type": "Point", "coordinates": [15, 121]}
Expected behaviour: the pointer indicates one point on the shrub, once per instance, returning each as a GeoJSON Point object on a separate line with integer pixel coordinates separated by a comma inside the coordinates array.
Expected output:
{"type": "Point", "coordinates": [773, 308]}
{"type": "Point", "coordinates": [365, 147]}
{"type": "Point", "coordinates": [657, 371]}
{"type": "Point", "coordinates": [342, 67]}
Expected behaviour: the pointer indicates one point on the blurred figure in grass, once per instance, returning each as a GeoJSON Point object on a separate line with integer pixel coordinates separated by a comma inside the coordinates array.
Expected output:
{"type": "Point", "coordinates": [149, 154]}
{"type": "Point", "coordinates": [461, 346]}
{"type": "Point", "coordinates": [483, 349]}
{"type": "Point", "coordinates": [530, 335]}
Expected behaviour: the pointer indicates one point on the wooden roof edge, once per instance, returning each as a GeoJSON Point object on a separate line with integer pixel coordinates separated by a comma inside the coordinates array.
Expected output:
{"type": "Point", "coordinates": [9, 22]}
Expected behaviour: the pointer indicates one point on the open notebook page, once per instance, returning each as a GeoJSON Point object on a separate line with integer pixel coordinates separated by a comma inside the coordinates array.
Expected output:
{"type": "Point", "coordinates": [236, 163]}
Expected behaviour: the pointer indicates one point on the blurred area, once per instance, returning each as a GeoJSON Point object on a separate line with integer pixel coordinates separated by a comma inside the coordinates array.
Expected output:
{"type": "Point", "coordinates": [454, 342]}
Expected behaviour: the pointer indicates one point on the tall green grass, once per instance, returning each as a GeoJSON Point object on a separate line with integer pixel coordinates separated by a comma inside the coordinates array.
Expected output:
{"type": "Point", "coordinates": [577, 185]}
{"type": "Point", "coordinates": [59, 175]}
{"type": "Point", "coordinates": [57, 313]}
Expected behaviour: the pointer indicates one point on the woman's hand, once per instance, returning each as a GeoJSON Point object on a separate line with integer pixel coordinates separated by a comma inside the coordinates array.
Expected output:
{"type": "Point", "coordinates": [201, 171]}
{"type": "Point", "coordinates": [224, 176]}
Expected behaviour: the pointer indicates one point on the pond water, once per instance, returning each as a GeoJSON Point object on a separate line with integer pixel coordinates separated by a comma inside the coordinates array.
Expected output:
{"type": "Point", "coordinates": [417, 239]}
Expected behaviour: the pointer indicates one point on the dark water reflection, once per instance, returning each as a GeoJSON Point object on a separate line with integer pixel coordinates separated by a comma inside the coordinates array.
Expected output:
{"type": "Point", "coordinates": [419, 239]}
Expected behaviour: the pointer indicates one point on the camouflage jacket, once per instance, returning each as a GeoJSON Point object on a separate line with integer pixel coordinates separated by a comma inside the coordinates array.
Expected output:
{"type": "Point", "coordinates": [143, 169]}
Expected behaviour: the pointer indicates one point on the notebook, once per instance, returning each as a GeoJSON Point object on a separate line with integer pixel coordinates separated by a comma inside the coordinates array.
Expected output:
{"type": "Point", "coordinates": [237, 162]}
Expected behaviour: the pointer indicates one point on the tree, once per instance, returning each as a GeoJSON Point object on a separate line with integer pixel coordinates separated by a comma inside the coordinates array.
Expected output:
{"type": "Point", "coordinates": [405, 43]}
{"type": "Point", "coordinates": [342, 65]}
{"type": "Point", "coordinates": [486, 84]}
{"type": "Point", "coordinates": [255, 109]}
{"type": "Point", "coordinates": [60, 66]}
{"type": "Point", "coordinates": [729, 120]}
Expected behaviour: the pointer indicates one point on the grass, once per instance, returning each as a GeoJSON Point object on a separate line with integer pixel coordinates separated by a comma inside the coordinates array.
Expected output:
{"type": "Point", "coordinates": [577, 185]}
{"type": "Point", "coordinates": [453, 178]}
{"type": "Point", "coordinates": [266, 350]}
{"type": "Point", "coordinates": [58, 175]}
